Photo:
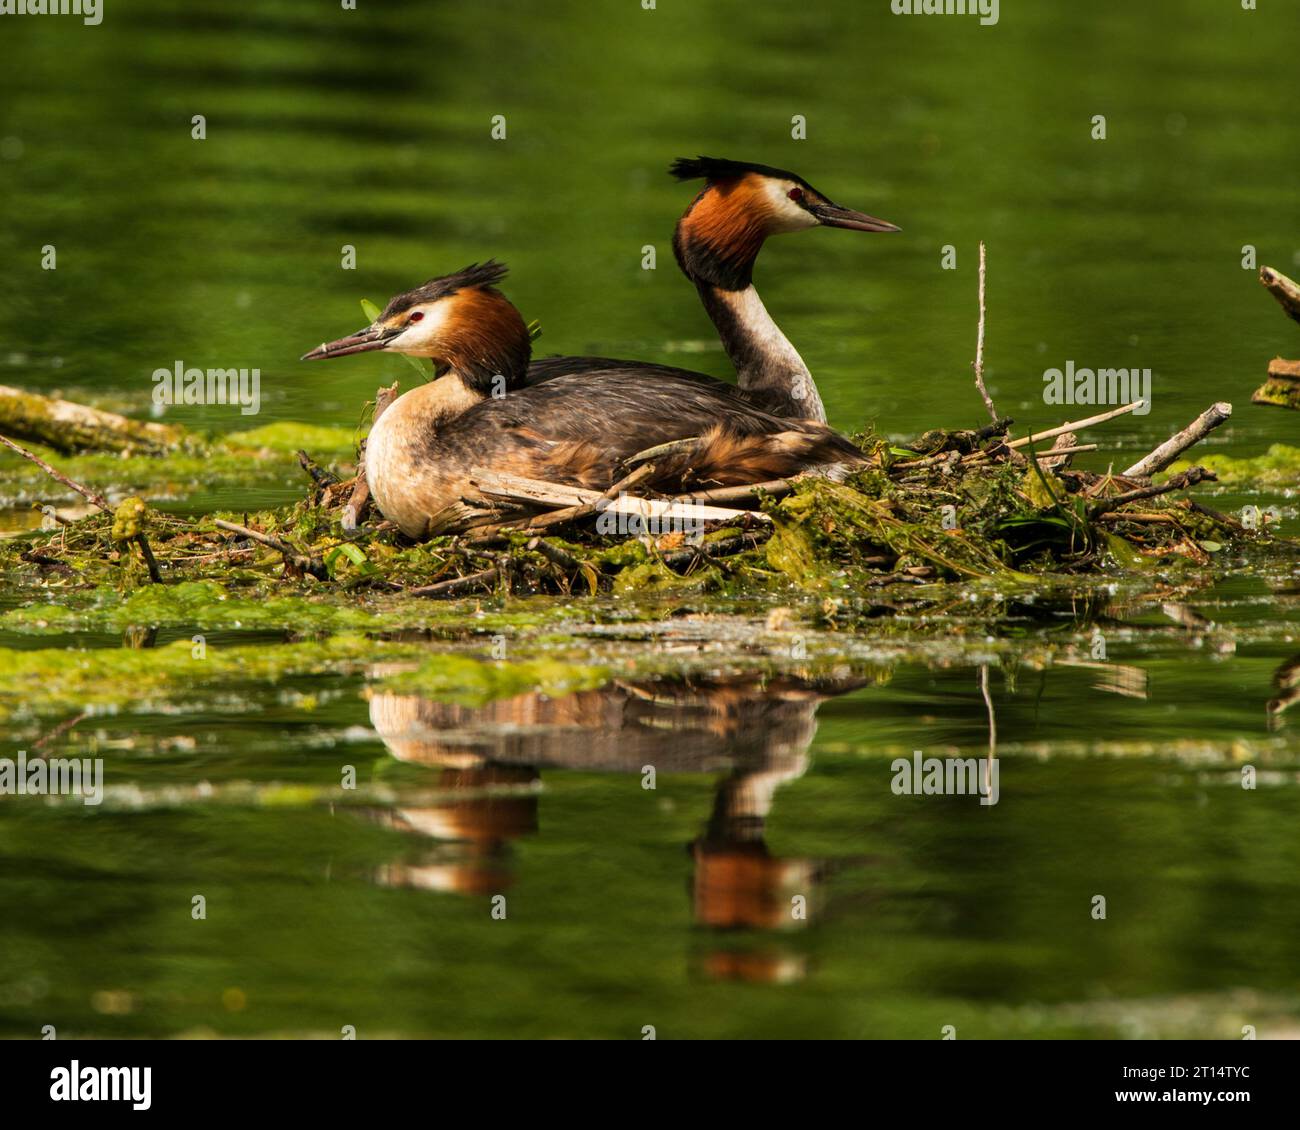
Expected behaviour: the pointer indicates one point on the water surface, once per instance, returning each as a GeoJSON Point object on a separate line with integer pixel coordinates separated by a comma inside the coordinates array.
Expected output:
{"type": "Point", "coordinates": [672, 907]}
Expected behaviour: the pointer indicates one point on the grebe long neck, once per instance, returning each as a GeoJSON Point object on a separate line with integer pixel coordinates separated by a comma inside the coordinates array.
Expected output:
{"type": "Point", "coordinates": [439, 401]}
{"type": "Point", "coordinates": [402, 442]}
{"type": "Point", "coordinates": [716, 243]}
{"type": "Point", "coordinates": [765, 361]}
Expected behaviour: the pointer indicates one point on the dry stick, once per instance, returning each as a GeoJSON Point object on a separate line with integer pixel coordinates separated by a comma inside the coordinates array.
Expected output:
{"type": "Point", "coordinates": [59, 730]}
{"type": "Point", "coordinates": [306, 564]}
{"type": "Point", "coordinates": [1221, 518]}
{"type": "Point", "coordinates": [1188, 478]}
{"type": "Point", "coordinates": [89, 495]}
{"type": "Point", "coordinates": [979, 346]}
{"type": "Point", "coordinates": [569, 513]}
{"type": "Point", "coordinates": [774, 487]}
{"type": "Point", "coordinates": [1069, 449]}
{"type": "Point", "coordinates": [553, 553]}
{"type": "Point", "coordinates": [320, 476]}
{"type": "Point", "coordinates": [1285, 290]}
{"type": "Point", "coordinates": [1070, 426]}
{"type": "Point", "coordinates": [1176, 444]}
{"type": "Point", "coordinates": [1047, 453]}
{"type": "Point", "coordinates": [457, 585]}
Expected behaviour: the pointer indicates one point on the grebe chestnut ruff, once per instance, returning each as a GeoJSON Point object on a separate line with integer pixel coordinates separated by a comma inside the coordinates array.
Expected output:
{"type": "Point", "coordinates": [716, 243]}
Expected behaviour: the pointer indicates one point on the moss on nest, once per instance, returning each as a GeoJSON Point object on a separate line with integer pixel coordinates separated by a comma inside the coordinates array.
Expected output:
{"type": "Point", "coordinates": [958, 508]}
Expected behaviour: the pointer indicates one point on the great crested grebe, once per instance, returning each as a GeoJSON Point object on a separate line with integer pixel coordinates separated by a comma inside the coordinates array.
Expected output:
{"type": "Point", "coordinates": [577, 429]}
{"type": "Point", "coordinates": [716, 243]}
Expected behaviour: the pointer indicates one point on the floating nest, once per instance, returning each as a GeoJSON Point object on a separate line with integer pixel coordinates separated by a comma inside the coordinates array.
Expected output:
{"type": "Point", "coordinates": [952, 506]}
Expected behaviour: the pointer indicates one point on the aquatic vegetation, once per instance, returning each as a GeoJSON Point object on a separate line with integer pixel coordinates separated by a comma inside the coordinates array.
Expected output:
{"type": "Point", "coordinates": [262, 458]}
{"type": "Point", "coordinates": [1279, 466]}
{"type": "Point", "coordinates": [108, 680]}
{"type": "Point", "coordinates": [952, 514]}
{"type": "Point", "coordinates": [471, 682]}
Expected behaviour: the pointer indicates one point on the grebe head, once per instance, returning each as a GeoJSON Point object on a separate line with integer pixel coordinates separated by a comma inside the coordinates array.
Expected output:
{"type": "Point", "coordinates": [720, 235]}
{"type": "Point", "coordinates": [460, 321]}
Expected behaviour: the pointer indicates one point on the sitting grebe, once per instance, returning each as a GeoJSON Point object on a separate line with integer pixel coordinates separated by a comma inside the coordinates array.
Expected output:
{"type": "Point", "coordinates": [716, 243]}
{"type": "Point", "coordinates": [577, 429]}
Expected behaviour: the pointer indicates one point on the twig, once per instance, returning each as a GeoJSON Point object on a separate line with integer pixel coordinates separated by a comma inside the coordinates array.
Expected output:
{"type": "Point", "coordinates": [1072, 425]}
{"type": "Point", "coordinates": [979, 346]}
{"type": "Point", "coordinates": [1176, 444]}
{"type": "Point", "coordinates": [1223, 519]}
{"type": "Point", "coordinates": [1183, 479]}
{"type": "Point", "coordinates": [897, 578]}
{"type": "Point", "coordinates": [320, 476]}
{"type": "Point", "coordinates": [553, 553]}
{"type": "Point", "coordinates": [306, 564]}
{"type": "Point", "coordinates": [1071, 449]}
{"type": "Point", "coordinates": [89, 495]}
{"type": "Point", "coordinates": [457, 585]}
{"type": "Point", "coordinates": [59, 730]}
{"type": "Point", "coordinates": [773, 487]}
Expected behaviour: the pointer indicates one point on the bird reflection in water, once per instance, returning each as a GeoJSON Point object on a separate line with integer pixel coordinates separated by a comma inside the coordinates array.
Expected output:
{"type": "Point", "coordinates": [489, 759]}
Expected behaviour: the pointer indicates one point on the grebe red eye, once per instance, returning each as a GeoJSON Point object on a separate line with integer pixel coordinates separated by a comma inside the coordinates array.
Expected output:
{"type": "Point", "coordinates": [795, 194]}
{"type": "Point", "coordinates": [415, 317]}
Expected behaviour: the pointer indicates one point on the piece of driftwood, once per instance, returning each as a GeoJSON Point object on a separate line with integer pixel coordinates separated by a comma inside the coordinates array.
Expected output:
{"type": "Point", "coordinates": [1285, 290]}
{"type": "Point", "coordinates": [1169, 451]}
{"type": "Point", "coordinates": [69, 428]}
{"type": "Point", "coordinates": [568, 513]}
{"type": "Point", "coordinates": [1282, 389]}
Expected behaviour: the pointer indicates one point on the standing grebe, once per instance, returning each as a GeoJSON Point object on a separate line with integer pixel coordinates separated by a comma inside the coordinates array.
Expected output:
{"type": "Point", "coordinates": [716, 243]}
{"type": "Point", "coordinates": [577, 429]}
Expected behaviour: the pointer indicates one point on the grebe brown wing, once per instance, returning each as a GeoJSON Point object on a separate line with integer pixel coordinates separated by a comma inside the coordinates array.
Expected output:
{"type": "Point", "coordinates": [548, 368]}
{"type": "Point", "coordinates": [602, 418]}
{"type": "Point", "coordinates": [775, 402]}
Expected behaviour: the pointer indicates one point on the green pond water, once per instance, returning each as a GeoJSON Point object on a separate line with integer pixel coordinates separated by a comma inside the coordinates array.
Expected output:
{"type": "Point", "coordinates": [772, 883]}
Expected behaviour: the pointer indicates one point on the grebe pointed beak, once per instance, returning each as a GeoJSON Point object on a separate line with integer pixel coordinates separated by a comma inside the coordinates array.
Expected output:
{"type": "Point", "coordinates": [363, 341]}
{"type": "Point", "coordinates": [832, 216]}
